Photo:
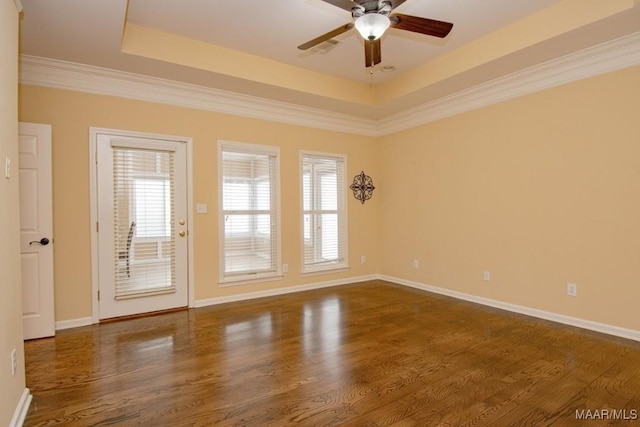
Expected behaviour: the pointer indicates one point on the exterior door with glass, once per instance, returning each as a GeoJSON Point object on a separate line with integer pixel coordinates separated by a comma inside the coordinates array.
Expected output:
{"type": "Point", "coordinates": [142, 224]}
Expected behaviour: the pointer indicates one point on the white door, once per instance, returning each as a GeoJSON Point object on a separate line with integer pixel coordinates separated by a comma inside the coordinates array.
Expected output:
{"type": "Point", "coordinates": [142, 224]}
{"type": "Point", "coordinates": [36, 230]}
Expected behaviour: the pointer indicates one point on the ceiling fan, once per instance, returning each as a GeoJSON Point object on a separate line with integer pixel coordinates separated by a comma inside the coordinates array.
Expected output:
{"type": "Point", "coordinates": [372, 18]}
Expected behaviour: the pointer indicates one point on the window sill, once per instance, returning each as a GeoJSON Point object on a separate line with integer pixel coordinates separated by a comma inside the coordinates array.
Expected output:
{"type": "Point", "coordinates": [244, 280]}
{"type": "Point", "coordinates": [320, 272]}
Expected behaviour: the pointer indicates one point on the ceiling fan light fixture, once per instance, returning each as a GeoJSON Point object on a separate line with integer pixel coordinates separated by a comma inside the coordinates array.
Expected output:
{"type": "Point", "coordinates": [372, 26]}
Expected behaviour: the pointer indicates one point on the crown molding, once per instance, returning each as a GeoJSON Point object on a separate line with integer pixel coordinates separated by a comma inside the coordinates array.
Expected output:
{"type": "Point", "coordinates": [58, 74]}
{"type": "Point", "coordinates": [607, 57]}
{"type": "Point", "coordinates": [600, 59]}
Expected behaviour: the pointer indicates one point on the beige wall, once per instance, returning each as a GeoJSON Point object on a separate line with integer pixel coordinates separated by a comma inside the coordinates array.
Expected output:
{"type": "Point", "coordinates": [72, 113]}
{"type": "Point", "coordinates": [540, 191]}
{"type": "Point", "coordinates": [11, 387]}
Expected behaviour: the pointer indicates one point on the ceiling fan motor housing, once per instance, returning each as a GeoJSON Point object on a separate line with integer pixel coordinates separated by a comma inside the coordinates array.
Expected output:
{"type": "Point", "coordinates": [382, 7]}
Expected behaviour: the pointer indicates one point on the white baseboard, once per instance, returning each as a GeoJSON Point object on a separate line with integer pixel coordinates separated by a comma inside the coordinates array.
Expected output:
{"type": "Point", "coordinates": [528, 311]}
{"type": "Point", "coordinates": [86, 321]}
{"type": "Point", "coordinates": [73, 323]}
{"type": "Point", "coordinates": [541, 314]}
{"type": "Point", "coordinates": [21, 410]}
{"type": "Point", "coordinates": [282, 291]}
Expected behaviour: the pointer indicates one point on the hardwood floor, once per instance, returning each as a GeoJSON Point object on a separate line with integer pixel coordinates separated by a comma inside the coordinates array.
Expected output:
{"type": "Point", "coordinates": [369, 354]}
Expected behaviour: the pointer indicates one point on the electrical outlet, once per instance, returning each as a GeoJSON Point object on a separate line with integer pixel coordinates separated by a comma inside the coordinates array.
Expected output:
{"type": "Point", "coordinates": [416, 263]}
{"type": "Point", "coordinates": [486, 276]}
{"type": "Point", "coordinates": [14, 362]}
{"type": "Point", "coordinates": [363, 259]}
{"type": "Point", "coordinates": [201, 208]}
{"type": "Point", "coordinates": [285, 268]}
{"type": "Point", "coordinates": [572, 289]}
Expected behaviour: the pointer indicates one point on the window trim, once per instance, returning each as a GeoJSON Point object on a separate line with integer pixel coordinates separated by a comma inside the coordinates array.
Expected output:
{"type": "Point", "coordinates": [252, 277]}
{"type": "Point", "coordinates": [343, 227]}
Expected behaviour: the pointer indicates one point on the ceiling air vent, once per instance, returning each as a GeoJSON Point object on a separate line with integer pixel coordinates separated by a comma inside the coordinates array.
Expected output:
{"type": "Point", "coordinates": [325, 47]}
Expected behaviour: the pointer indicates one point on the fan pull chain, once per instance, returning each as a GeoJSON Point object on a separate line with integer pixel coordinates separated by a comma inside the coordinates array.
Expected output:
{"type": "Point", "coordinates": [371, 66]}
{"type": "Point", "coordinates": [373, 60]}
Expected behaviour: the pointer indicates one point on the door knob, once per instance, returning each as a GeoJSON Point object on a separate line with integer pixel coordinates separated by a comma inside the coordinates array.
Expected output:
{"type": "Point", "coordinates": [182, 233]}
{"type": "Point", "coordinates": [44, 242]}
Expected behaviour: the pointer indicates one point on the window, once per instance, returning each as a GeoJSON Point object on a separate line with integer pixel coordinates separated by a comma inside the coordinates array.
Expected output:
{"type": "Point", "coordinates": [144, 204]}
{"type": "Point", "coordinates": [324, 219]}
{"type": "Point", "coordinates": [152, 207]}
{"type": "Point", "coordinates": [249, 200]}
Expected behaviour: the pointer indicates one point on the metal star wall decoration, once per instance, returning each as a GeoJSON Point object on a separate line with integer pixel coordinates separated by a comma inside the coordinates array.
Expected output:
{"type": "Point", "coordinates": [362, 187]}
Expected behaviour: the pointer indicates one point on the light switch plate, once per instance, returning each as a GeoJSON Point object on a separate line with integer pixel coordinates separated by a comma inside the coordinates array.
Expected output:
{"type": "Point", "coordinates": [7, 167]}
{"type": "Point", "coordinates": [201, 208]}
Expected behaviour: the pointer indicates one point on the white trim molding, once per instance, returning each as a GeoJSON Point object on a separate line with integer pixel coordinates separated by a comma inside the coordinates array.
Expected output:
{"type": "Point", "coordinates": [73, 323]}
{"type": "Point", "coordinates": [22, 408]}
{"type": "Point", "coordinates": [528, 311]}
{"type": "Point", "coordinates": [603, 58]}
{"type": "Point", "coordinates": [58, 74]}
{"type": "Point", "coordinates": [514, 308]}
{"type": "Point", "coordinates": [600, 59]}
{"type": "Point", "coordinates": [283, 291]}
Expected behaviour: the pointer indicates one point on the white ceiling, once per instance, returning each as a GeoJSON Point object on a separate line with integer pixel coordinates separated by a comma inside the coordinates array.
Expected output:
{"type": "Point", "coordinates": [90, 32]}
{"type": "Point", "coordinates": [273, 29]}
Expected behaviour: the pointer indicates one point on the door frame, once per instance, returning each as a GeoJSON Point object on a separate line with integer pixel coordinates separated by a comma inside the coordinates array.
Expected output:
{"type": "Point", "coordinates": [93, 197]}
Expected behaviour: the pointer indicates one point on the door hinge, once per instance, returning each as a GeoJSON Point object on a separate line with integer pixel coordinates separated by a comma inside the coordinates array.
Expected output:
{"type": "Point", "coordinates": [96, 156]}
{"type": "Point", "coordinates": [97, 227]}
{"type": "Point", "coordinates": [98, 295]}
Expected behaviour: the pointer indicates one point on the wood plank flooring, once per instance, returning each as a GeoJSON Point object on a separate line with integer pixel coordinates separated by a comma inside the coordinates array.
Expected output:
{"type": "Point", "coordinates": [368, 354]}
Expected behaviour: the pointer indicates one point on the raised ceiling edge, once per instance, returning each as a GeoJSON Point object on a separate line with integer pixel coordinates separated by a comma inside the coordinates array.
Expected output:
{"type": "Point", "coordinates": [600, 59]}
{"type": "Point", "coordinates": [38, 71]}
{"type": "Point", "coordinates": [607, 57]}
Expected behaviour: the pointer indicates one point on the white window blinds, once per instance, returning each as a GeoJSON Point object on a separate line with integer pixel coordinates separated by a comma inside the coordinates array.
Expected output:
{"type": "Point", "coordinates": [144, 200]}
{"type": "Point", "coordinates": [250, 211]}
{"type": "Point", "coordinates": [323, 212]}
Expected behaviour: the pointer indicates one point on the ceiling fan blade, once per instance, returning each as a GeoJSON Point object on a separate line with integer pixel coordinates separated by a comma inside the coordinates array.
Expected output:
{"type": "Point", "coordinates": [326, 36]}
{"type": "Point", "coordinates": [396, 3]}
{"type": "Point", "coordinates": [372, 52]}
{"type": "Point", "coordinates": [342, 4]}
{"type": "Point", "coordinates": [416, 24]}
